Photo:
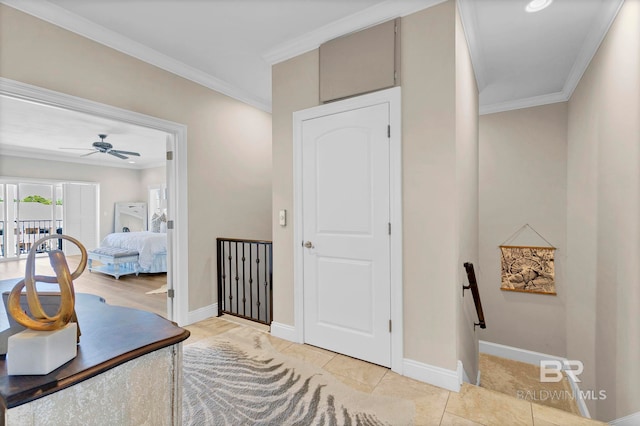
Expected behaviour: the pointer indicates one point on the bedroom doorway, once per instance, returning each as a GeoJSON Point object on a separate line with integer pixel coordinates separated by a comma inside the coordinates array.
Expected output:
{"type": "Point", "coordinates": [176, 177]}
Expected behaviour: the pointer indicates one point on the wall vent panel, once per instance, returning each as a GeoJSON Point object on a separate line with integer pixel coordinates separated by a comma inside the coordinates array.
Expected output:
{"type": "Point", "coordinates": [360, 62]}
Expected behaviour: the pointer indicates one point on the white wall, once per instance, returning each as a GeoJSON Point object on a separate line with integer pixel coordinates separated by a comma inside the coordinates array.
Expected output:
{"type": "Point", "coordinates": [523, 166]}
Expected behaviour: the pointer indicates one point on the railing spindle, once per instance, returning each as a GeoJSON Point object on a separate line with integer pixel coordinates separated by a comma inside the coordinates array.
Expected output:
{"type": "Point", "coordinates": [244, 293]}
{"type": "Point", "coordinates": [230, 297]}
{"type": "Point", "coordinates": [258, 281]}
{"type": "Point", "coordinates": [270, 281]}
{"type": "Point", "coordinates": [250, 281]}
{"type": "Point", "coordinates": [220, 269]}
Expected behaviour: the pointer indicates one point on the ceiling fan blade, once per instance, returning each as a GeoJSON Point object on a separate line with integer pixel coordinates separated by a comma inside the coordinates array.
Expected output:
{"type": "Point", "coordinates": [125, 152]}
{"type": "Point", "coordinates": [81, 149]}
{"type": "Point", "coordinates": [116, 154]}
{"type": "Point", "coordinates": [91, 153]}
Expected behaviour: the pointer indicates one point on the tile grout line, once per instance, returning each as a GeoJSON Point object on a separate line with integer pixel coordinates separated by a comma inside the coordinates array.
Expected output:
{"type": "Point", "coordinates": [445, 407]}
{"type": "Point", "coordinates": [328, 361]}
{"type": "Point", "coordinates": [533, 420]}
{"type": "Point", "coordinates": [381, 377]}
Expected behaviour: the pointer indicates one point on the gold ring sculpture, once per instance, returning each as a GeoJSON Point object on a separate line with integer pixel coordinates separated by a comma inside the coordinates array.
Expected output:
{"type": "Point", "coordinates": [66, 312]}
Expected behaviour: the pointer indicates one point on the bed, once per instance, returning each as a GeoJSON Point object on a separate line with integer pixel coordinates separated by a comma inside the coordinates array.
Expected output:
{"type": "Point", "coordinates": [151, 248]}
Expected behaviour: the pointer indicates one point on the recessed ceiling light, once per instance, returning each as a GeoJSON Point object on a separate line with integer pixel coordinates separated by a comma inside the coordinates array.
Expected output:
{"type": "Point", "coordinates": [132, 162]}
{"type": "Point", "coordinates": [537, 5]}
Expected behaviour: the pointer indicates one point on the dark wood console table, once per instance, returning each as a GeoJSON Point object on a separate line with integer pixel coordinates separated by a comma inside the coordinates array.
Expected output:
{"type": "Point", "coordinates": [111, 337]}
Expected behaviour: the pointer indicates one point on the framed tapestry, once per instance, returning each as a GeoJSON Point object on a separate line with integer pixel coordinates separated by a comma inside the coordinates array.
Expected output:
{"type": "Point", "coordinates": [528, 269]}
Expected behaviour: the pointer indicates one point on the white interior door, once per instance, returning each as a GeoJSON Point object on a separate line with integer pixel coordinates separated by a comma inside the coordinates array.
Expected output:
{"type": "Point", "coordinates": [345, 174]}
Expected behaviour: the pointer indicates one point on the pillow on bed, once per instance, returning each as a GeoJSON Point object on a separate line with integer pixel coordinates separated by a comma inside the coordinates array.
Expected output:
{"type": "Point", "coordinates": [155, 222]}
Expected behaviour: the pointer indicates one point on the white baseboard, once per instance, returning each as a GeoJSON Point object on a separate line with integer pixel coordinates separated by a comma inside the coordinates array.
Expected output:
{"type": "Point", "coordinates": [284, 331]}
{"type": "Point", "coordinates": [463, 377]}
{"type": "Point", "coordinates": [202, 313]}
{"type": "Point", "coordinates": [437, 376]}
{"type": "Point", "coordinates": [582, 404]}
{"type": "Point", "coordinates": [534, 358]}
{"type": "Point", "coordinates": [516, 354]}
{"type": "Point", "coordinates": [630, 420]}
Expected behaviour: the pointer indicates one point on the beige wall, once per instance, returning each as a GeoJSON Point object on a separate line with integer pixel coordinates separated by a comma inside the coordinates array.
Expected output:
{"type": "Point", "coordinates": [572, 171]}
{"type": "Point", "coordinates": [467, 198]}
{"type": "Point", "coordinates": [295, 87]}
{"type": "Point", "coordinates": [116, 184]}
{"type": "Point", "coordinates": [429, 185]}
{"type": "Point", "coordinates": [523, 167]}
{"type": "Point", "coordinates": [603, 220]}
{"type": "Point", "coordinates": [430, 221]}
{"type": "Point", "coordinates": [228, 147]}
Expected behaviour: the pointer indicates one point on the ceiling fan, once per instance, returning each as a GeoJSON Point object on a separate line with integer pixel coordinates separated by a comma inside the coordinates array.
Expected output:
{"type": "Point", "coordinates": [107, 148]}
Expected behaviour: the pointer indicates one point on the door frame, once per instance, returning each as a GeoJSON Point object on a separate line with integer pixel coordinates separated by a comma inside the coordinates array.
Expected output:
{"type": "Point", "coordinates": [178, 264]}
{"type": "Point", "coordinates": [393, 98]}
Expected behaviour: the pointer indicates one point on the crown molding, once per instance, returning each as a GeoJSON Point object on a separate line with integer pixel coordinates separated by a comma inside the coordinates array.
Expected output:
{"type": "Point", "coordinates": [381, 12]}
{"type": "Point", "coordinates": [30, 154]}
{"type": "Point", "coordinates": [599, 31]}
{"type": "Point", "coordinates": [61, 17]}
{"type": "Point", "coordinates": [469, 18]}
{"type": "Point", "coordinates": [592, 42]}
{"type": "Point", "coordinates": [533, 101]}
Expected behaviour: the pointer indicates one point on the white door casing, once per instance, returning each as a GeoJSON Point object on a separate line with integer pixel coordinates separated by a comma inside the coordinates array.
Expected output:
{"type": "Point", "coordinates": [347, 193]}
{"type": "Point", "coordinates": [169, 193]}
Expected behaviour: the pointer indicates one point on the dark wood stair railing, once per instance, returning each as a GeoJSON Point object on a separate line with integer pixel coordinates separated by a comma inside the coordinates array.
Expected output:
{"type": "Point", "coordinates": [473, 286]}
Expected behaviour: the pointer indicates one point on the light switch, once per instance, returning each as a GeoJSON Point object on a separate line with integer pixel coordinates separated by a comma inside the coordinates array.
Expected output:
{"type": "Point", "coordinates": [283, 217]}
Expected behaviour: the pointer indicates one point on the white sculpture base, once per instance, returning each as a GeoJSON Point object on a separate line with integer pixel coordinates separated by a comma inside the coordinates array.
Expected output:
{"type": "Point", "coordinates": [33, 352]}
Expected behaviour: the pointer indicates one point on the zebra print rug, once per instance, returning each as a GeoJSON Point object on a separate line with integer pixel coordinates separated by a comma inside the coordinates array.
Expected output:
{"type": "Point", "coordinates": [230, 382]}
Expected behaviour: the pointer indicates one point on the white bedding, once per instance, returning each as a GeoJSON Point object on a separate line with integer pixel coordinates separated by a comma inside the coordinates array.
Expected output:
{"type": "Point", "coordinates": [147, 244]}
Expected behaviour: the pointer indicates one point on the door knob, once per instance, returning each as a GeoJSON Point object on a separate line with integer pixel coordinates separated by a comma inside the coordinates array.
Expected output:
{"type": "Point", "coordinates": [308, 244]}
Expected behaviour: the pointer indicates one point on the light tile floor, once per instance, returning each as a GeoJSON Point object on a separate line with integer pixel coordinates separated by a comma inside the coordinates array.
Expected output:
{"type": "Point", "coordinates": [434, 406]}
